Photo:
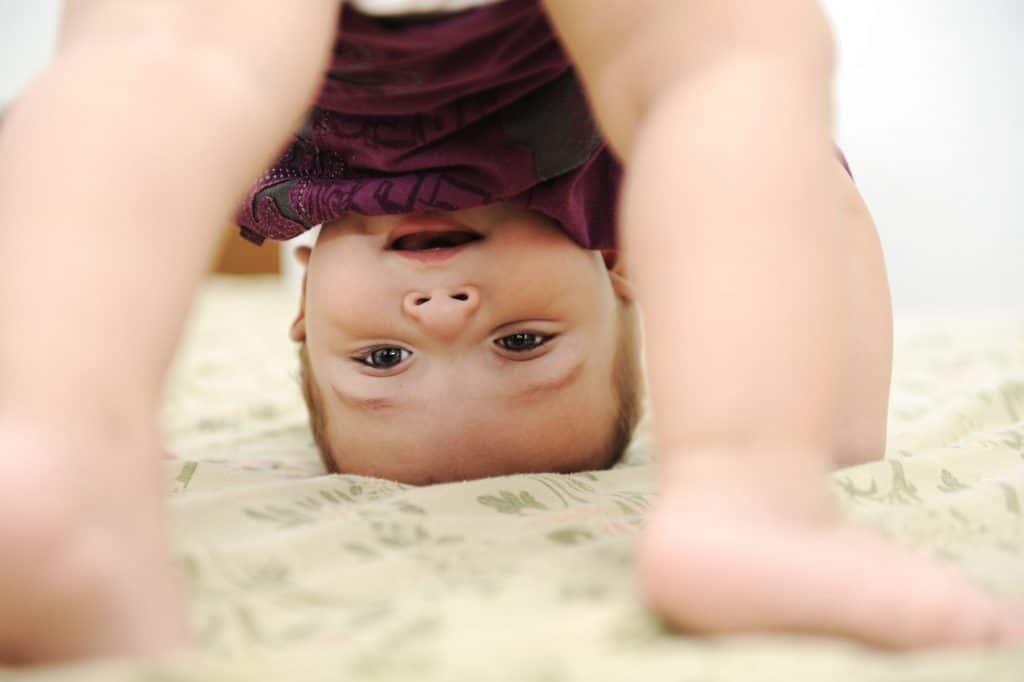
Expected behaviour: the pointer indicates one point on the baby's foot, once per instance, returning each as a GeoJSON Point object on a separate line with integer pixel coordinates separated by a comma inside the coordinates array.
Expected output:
{"type": "Point", "coordinates": [724, 561]}
{"type": "Point", "coordinates": [85, 570]}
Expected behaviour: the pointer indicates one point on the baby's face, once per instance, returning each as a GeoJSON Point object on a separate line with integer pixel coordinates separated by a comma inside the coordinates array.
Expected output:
{"type": "Point", "coordinates": [459, 345]}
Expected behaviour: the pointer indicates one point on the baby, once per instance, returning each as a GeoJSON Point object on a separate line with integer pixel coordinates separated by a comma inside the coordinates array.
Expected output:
{"type": "Point", "coordinates": [464, 312]}
{"type": "Point", "coordinates": [447, 346]}
{"type": "Point", "coordinates": [479, 329]}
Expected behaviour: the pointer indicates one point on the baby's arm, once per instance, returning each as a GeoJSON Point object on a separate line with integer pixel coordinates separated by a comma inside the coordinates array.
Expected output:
{"type": "Point", "coordinates": [745, 244]}
{"type": "Point", "coordinates": [117, 170]}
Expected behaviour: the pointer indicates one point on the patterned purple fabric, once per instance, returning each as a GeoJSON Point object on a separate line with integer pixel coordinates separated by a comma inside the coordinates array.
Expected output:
{"type": "Point", "coordinates": [439, 113]}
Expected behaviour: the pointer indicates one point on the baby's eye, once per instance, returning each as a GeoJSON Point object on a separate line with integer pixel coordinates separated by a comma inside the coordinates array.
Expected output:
{"type": "Point", "coordinates": [520, 342]}
{"type": "Point", "coordinates": [384, 357]}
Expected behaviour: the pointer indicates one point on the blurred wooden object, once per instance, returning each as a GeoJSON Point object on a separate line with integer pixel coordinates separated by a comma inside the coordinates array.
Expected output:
{"type": "Point", "coordinates": [238, 256]}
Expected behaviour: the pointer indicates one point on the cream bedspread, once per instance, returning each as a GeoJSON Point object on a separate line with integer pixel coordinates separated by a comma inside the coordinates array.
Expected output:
{"type": "Point", "coordinates": [299, 576]}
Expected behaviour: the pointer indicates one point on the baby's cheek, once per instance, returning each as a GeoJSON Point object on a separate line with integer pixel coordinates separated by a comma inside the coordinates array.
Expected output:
{"type": "Point", "coordinates": [349, 292]}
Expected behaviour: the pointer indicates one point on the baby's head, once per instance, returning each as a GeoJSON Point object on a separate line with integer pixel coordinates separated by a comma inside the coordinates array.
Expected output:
{"type": "Point", "coordinates": [451, 346]}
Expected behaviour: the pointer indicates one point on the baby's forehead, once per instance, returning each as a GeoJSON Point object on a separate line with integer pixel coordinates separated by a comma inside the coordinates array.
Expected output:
{"type": "Point", "coordinates": [449, 461]}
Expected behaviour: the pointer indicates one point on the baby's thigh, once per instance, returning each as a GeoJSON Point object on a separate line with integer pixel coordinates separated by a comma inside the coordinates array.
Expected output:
{"type": "Point", "coordinates": [867, 356]}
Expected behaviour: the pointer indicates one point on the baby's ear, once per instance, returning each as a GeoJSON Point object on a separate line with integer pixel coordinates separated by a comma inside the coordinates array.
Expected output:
{"type": "Point", "coordinates": [621, 283]}
{"type": "Point", "coordinates": [297, 332]}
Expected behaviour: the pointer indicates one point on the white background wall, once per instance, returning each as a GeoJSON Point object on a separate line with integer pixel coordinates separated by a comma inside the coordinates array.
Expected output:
{"type": "Point", "coordinates": [28, 29]}
{"type": "Point", "coordinates": [931, 115]}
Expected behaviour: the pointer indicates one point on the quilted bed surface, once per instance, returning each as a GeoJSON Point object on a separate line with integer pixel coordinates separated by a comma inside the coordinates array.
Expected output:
{"type": "Point", "coordinates": [296, 575]}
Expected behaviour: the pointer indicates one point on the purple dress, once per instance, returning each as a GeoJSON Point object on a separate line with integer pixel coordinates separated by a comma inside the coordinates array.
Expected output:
{"type": "Point", "coordinates": [440, 113]}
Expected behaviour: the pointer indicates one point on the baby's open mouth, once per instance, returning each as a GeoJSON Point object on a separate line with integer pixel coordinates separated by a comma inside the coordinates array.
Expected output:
{"type": "Point", "coordinates": [434, 240]}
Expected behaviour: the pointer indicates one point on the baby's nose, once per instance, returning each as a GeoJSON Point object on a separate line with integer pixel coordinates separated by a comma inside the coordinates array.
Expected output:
{"type": "Point", "coordinates": [442, 312]}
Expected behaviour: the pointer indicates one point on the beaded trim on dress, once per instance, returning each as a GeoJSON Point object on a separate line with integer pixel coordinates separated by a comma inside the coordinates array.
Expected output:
{"type": "Point", "coordinates": [395, 7]}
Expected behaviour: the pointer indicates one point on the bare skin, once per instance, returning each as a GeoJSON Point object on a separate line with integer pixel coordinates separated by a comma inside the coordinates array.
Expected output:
{"type": "Point", "coordinates": [782, 294]}
{"type": "Point", "coordinates": [456, 404]}
{"type": "Point", "coordinates": [97, 284]}
{"type": "Point", "coordinates": [82, 350]}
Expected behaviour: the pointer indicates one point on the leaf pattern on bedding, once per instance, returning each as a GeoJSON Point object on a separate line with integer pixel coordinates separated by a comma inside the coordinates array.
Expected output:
{"type": "Point", "coordinates": [508, 502]}
{"type": "Point", "coordinates": [300, 576]}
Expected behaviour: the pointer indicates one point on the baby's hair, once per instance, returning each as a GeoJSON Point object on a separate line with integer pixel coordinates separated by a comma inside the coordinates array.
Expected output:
{"type": "Point", "coordinates": [317, 418]}
{"type": "Point", "coordinates": [627, 383]}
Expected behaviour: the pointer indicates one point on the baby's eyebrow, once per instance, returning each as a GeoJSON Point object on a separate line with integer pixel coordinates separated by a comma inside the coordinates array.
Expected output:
{"type": "Point", "coordinates": [364, 404]}
{"type": "Point", "coordinates": [529, 393]}
{"type": "Point", "coordinates": [562, 380]}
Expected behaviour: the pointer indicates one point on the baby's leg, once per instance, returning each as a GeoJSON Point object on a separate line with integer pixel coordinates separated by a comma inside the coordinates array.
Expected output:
{"type": "Point", "coordinates": [711, 563]}
{"type": "Point", "coordinates": [159, 113]}
{"type": "Point", "coordinates": [727, 551]}
{"type": "Point", "coordinates": [867, 362]}
{"type": "Point", "coordinates": [758, 315]}
{"type": "Point", "coordinates": [85, 569]}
